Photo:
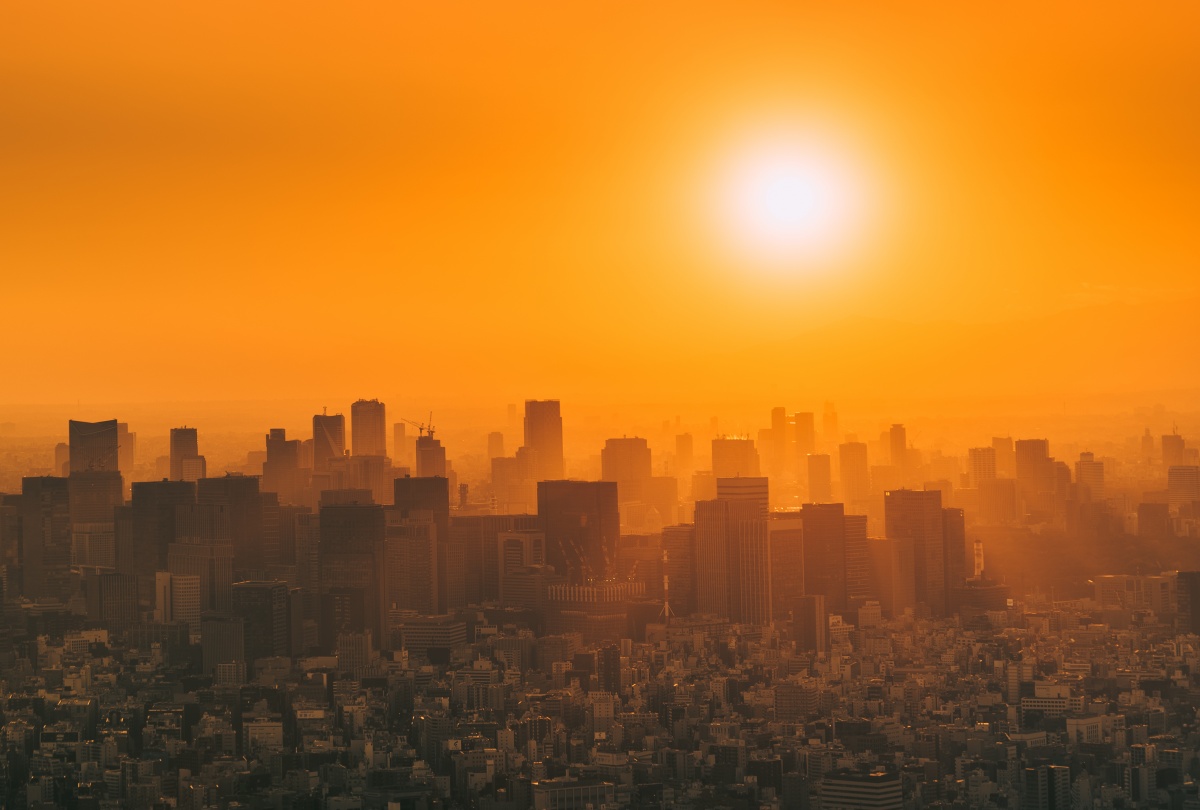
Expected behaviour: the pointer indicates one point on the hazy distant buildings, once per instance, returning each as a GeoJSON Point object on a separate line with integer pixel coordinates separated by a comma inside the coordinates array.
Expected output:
{"type": "Point", "coordinates": [981, 465]}
{"type": "Point", "coordinates": [734, 457]}
{"type": "Point", "coordinates": [184, 445]}
{"type": "Point", "coordinates": [1172, 450]}
{"type": "Point", "coordinates": [368, 428]}
{"type": "Point", "coordinates": [855, 474]}
{"type": "Point", "coordinates": [1089, 478]}
{"type": "Point", "coordinates": [820, 478]}
{"type": "Point", "coordinates": [431, 457]}
{"type": "Point", "coordinates": [627, 462]}
{"type": "Point", "coordinates": [544, 438]}
{"type": "Point", "coordinates": [733, 560]}
{"type": "Point", "coordinates": [914, 518]}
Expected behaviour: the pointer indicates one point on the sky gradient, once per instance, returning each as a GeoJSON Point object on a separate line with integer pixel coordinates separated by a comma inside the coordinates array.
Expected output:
{"type": "Point", "coordinates": [252, 201]}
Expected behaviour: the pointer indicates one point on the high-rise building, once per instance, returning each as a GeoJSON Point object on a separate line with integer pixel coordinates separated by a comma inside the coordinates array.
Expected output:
{"type": "Point", "coordinates": [352, 567]}
{"type": "Point", "coordinates": [582, 523]}
{"type": "Point", "coordinates": [126, 449]}
{"type": "Point", "coordinates": [432, 494]}
{"type": "Point", "coordinates": [368, 428]}
{"type": "Point", "coordinates": [1047, 787]}
{"type": "Point", "coordinates": [329, 440]}
{"type": "Point", "coordinates": [1172, 450]}
{"type": "Point", "coordinates": [203, 548]}
{"type": "Point", "coordinates": [281, 470]}
{"type": "Point", "coordinates": [516, 550]}
{"type": "Point", "coordinates": [249, 511]}
{"type": "Point", "coordinates": [829, 423]}
{"type": "Point", "coordinates": [820, 478]}
{"type": "Point", "coordinates": [153, 530]}
{"type": "Point", "coordinates": [810, 624]}
{"type": "Point", "coordinates": [544, 437]}
{"type": "Point", "coordinates": [835, 555]}
{"type": "Point", "coordinates": [94, 446]}
{"type": "Point", "coordinates": [981, 465]}
{"type": "Point", "coordinates": [855, 473]}
{"type": "Point", "coordinates": [184, 445]}
{"type": "Point", "coordinates": [495, 445]}
{"type": "Point", "coordinates": [1183, 486]}
{"type": "Point", "coordinates": [1089, 478]}
{"type": "Point", "coordinates": [414, 577]}
{"type": "Point", "coordinates": [263, 607]}
{"type": "Point", "coordinates": [45, 537]}
{"type": "Point", "coordinates": [805, 429]}
{"type": "Point", "coordinates": [898, 447]}
{"type": "Point", "coordinates": [431, 457]}
{"type": "Point", "coordinates": [1006, 456]}
{"type": "Point", "coordinates": [679, 568]}
{"type": "Point", "coordinates": [733, 560]}
{"type": "Point", "coordinates": [786, 530]}
{"type": "Point", "coordinates": [914, 518]}
{"type": "Point", "coordinates": [685, 461]}
{"type": "Point", "coordinates": [956, 569]}
{"type": "Point", "coordinates": [1187, 595]}
{"type": "Point", "coordinates": [627, 462]}
{"type": "Point", "coordinates": [734, 457]}
{"type": "Point", "coordinates": [94, 497]}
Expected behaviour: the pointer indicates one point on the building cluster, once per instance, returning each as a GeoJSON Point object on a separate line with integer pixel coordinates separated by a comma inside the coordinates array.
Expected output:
{"type": "Point", "coordinates": [342, 631]}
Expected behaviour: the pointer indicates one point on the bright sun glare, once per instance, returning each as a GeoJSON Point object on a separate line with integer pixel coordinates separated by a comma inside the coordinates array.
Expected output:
{"type": "Point", "coordinates": [790, 203]}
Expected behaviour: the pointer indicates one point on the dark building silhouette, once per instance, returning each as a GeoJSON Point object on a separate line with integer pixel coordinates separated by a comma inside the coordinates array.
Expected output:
{"type": "Point", "coordinates": [94, 445]}
{"type": "Point", "coordinates": [281, 470]}
{"type": "Point", "coordinates": [733, 560]}
{"type": "Point", "coordinates": [352, 567]}
{"type": "Point", "coordinates": [432, 495]}
{"type": "Point", "coordinates": [544, 437]}
{"type": "Point", "coordinates": [248, 513]}
{"type": "Point", "coordinates": [45, 537]}
{"type": "Point", "coordinates": [914, 518]}
{"type": "Point", "coordinates": [153, 509]}
{"type": "Point", "coordinates": [329, 440]}
{"type": "Point", "coordinates": [627, 461]}
{"type": "Point", "coordinates": [263, 609]}
{"type": "Point", "coordinates": [184, 445]}
{"type": "Point", "coordinates": [431, 457]}
{"type": "Point", "coordinates": [582, 523]}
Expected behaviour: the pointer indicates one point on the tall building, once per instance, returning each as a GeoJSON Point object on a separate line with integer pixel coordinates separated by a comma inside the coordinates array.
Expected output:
{"type": "Point", "coordinates": [627, 462]}
{"type": "Point", "coordinates": [820, 478]}
{"type": "Point", "coordinates": [45, 537]}
{"type": "Point", "coordinates": [733, 561]}
{"type": "Point", "coordinates": [1006, 456]}
{"type": "Point", "coordinates": [1187, 595]}
{"type": "Point", "coordinates": [544, 437]}
{"type": "Point", "coordinates": [263, 607]}
{"type": "Point", "coordinates": [1172, 450]}
{"type": "Point", "coordinates": [855, 474]}
{"type": "Point", "coordinates": [153, 527]}
{"type": "Point", "coordinates": [806, 433]}
{"type": "Point", "coordinates": [1047, 787]}
{"type": "Point", "coordinates": [94, 446]}
{"type": "Point", "coordinates": [1089, 478]}
{"type": "Point", "coordinates": [352, 567]}
{"type": "Point", "coordinates": [679, 568]}
{"type": "Point", "coordinates": [94, 498]}
{"type": "Point", "coordinates": [898, 447]}
{"type": "Point", "coordinates": [734, 457]}
{"type": "Point", "coordinates": [786, 530]}
{"type": "Point", "coordinates": [981, 465]}
{"type": "Point", "coordinates": [414, 577]}
{"type": "Point", "coordinates": [1183, 486]}
{"type": "Point", "coordinates": [582, 523]}
{"type": "Point", "coordinates": [432, 495]}
{"type": "Point", "coordinates": [495, 445]}
{"type": "Point", "coordinates": [914, 518]}
{"type": "Point", "coordinates": [368, 428]}
{"type": "Point", "coordinates": [756, 490]}
{"type": "Point", "coordinates": [685, 456]}
{"type": "Point", "coordinates": [126, 449]}
{"type": "Point", "coordinates": [281, 470]}
{"type": "Point", "coordinates": [249, 511]}
{"type": "Point", "coordinates": [431, 457]}
{"type": "Point", "coordinates": [835, 555]}
{"type": "Point", "coordinates": [203, 548]}
{"type": "Point", "coordinates": [184, 445]}
{"type": "Point", "coordinates": [957, 569]}
{"type": "Point", "coordinates": [329, 440]}
{"type": "Point", "coordinates": [810, 624]}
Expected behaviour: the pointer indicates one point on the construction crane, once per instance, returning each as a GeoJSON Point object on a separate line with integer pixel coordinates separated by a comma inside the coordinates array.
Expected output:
{"type": "Point", "coordinates": [425, 428]}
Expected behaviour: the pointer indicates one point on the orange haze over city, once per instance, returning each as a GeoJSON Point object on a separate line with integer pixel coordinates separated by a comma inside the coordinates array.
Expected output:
{"type": "Point", "coordinates": [230, 201]}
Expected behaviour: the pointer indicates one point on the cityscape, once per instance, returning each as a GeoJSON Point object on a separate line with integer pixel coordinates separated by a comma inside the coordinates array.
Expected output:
{"type": "Point", "coordinates": [599, 405]}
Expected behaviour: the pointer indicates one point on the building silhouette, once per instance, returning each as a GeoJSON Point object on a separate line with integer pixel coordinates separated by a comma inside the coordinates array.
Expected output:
{"type": "Point", "coordinates": [329, 440]}
{"type": "Point", "coordinates": [733, 560]}
{"type": "Point", "coordinates": [184, 445]}
{"type": "Point", "coordinates": [544, 437]}
{"type": "Point", "coordinates": [582, 523]}
{"type": "Point", "coordinates": [93, 446]}
{"type": "Point", "coordinates": [368, 428]}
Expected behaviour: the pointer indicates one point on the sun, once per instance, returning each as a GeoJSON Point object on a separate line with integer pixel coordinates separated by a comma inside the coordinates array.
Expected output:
{"type": "Point", "coordinates": [791, 202]}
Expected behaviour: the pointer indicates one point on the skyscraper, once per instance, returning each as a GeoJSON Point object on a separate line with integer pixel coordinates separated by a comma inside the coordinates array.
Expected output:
{"type": "Point", "coordinates": [544, 436]}
{"type": "Point", "coordinates": [184, 445]}
{"type": "Point", "coordinates": [582, 524]}
{"type": "Point", "coordinates": [627, 462]}
{"type": "Point", "coordinates": [981, 465]}
{"type": "Point", "coordinates": [329, 440]}
{"type": "Point", "coordinates": [94, 445]}
{"type": "Point", "coordinates": [45, 537]}
{"type": "Point", "coordinates": [855, 473]}
{"type": "Point", "coordinates": [898, 446]}
{"type": "Point", "coordinates": [733, 561]}
{"type": "Point", "coordinates": [263, 607]}
{"type": "Point", "coordinates": [914, 518]}
{"type": "Point", "coordinates": [154, 505]}
{"type": "Point", "coordinates": [353, 570]}
{"type": "Point", "coordinates": [431, 457]}
{"type": "Point", "coordinates": [734, 457]}
{"type": "Point", "coordinates": [368, 428]}
{"type": "Point", "coordinates": [820, 478]}
{"type": "Point", "coordinates": [432, 495]}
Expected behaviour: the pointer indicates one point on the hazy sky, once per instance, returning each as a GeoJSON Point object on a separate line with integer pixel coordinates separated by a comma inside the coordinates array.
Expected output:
{"type": "Point", "coordinates": [227, 200]}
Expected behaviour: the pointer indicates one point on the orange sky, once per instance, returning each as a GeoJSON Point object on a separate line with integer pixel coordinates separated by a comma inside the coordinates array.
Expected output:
{"type": "Point", "coordinates": [228, 200]}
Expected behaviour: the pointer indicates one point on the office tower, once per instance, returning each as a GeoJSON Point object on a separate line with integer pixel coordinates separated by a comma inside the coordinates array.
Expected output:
{"type": "Point", "coordinates": [45, 537]}
{"type": "Point", "coordinates": [329, 440]}
{"type": "Point", "coordinates": [247, 518]}
{"type": "Point", "coordinates": [1183, 486]}
{"type": "Point", "coordinates": [733, 457]}
{"type": "Point", "coordinates": [859, 790]}
{"type": "Point", "coordinates": [755, 490]}
{"type": "Point", "coordinates": [352, 570]}
{"type": "Point", "coordinates": [582, 523]}
{"type": "Point", "coordinates": [476, 536]}
{"type": "Point", "coordinates": [1032, 457]}
{"type": "Point", "coordinates": [262, 606]}
{"type": "Point", "coordinates": [1006, 456]}
{"type": "Point", "coordinates": [679, 569]}
{"type": "Point", "coordinates": [431, 457]}
{"type": "Point", "coordinates": [432, 494]}
{"type": "Point", "coordinates": [1046, 787]}
{"type": "Point", "coordinates": [856, 474]}
{"type": "Point", "coordinates": [281, 470]}
{"type": "Point", "coordinates": [221, 642]}
{"type": "Point", "coordinates": [62, 459]}
{"type": "Point", "coordinates": [184, 445]}
{"type": "Point", "coordinates": [94, 445]}
{"type": "Point", "coordinates": [804, 425]}
{"type": "Point", "coordinates": [898, 447]}
{"type": "Point", "coordinates": [152, 530]}
{"type": "Point", "coordinates": [203, 548]}
{"type": "Point", "coordinates": [177, 600]}
{"type": "Point", "coordinates": [826, 554]}
{"type": "Point", "coordinates": [786, 530]}
{"type": "Point", "coordinates": [1172, 450]}
{"type": "Point", "coordinates": [401, 446]}
{"type": "Point", "coordinates": [820, 478]}
{"type": "Point", "coordinates": [495, 444]}
{"type": "Point", "coordinates": [516, 550]}
{"type": "Point", "coordinates": [368, 428]}
{"type": "Point", "coordinates": [914, 518]}
{"type": "Point", "coordinates": [810, 624]}
{"type": "Point", "coordinates": [1089, 478]}
{"type": "Point", "coordinates": [685, 455]}
{"type": "Point", "coordinates": [998, 501]}
{"type": "Point", "coordinates": [733, 561]}
{"type": "Point", "coordinates": [414, 576]}
{"type": "Point", "coordinates": [627, 462]}
{"type": "Point", "coordinates": [10, 546]}
{"type": "Point", "coordinates": [954, 553]}
{"type": "Point", "coordinates": [94, 497]}
{"type": "Point", "coordinates": [544, 436]}
{"type": "Point", "coordinates": [1187, 596]}
{"type": "Point", "coordinates": [981, 465]}
{"type": "Point", "coordinates": [126, 449]}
